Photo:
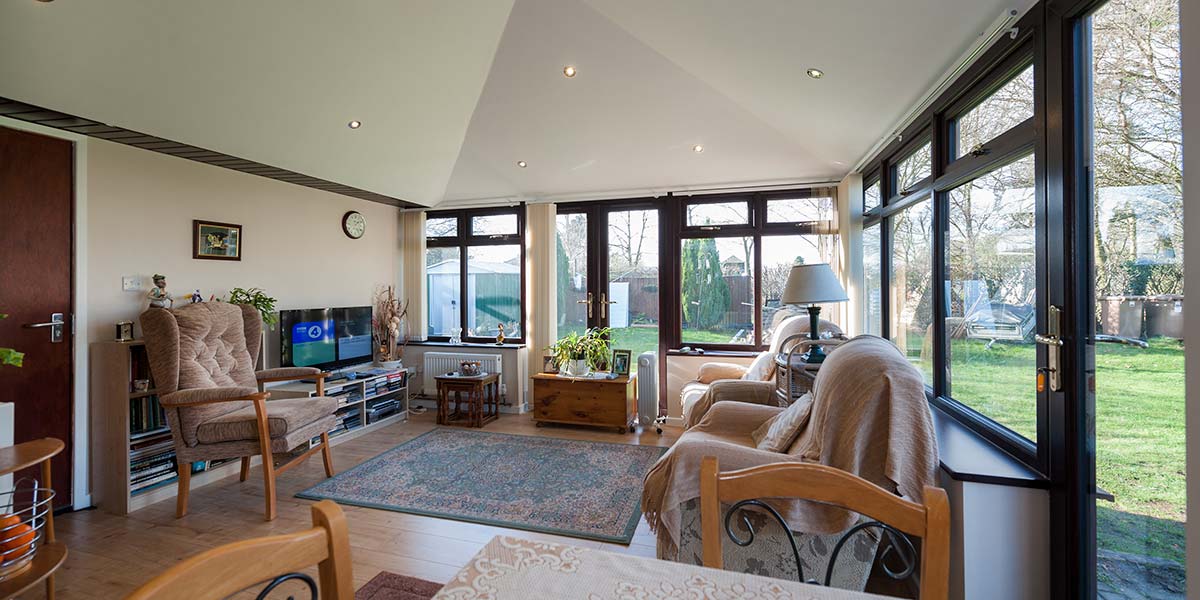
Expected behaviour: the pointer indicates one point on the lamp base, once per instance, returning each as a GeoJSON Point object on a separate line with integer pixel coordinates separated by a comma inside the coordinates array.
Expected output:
{"type": "Point", "coordinates": [815, 354]}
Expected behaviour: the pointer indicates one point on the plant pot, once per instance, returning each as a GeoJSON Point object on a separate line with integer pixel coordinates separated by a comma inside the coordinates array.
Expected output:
{"type": "Point", "coordinates": [576, 368]}
{"type": "Point", "coordinates": [390, 364]}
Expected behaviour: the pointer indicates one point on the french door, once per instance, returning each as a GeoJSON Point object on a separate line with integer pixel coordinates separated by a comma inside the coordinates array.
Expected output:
{"type": "Point", "coordinates": [608, 273]}
{"type": "Point", "coordinates": [1129, 227]}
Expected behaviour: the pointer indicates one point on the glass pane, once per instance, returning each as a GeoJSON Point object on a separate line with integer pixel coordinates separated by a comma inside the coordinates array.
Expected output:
{"type": "Point", "coordinates": [872, 197]}
{"type": "Point", "coordinates": [1138, 212]}
{"type": "Point", "coordinates": [633, 281]}
{"type": "Point", "coordinates": [779, 253]}
{"type": "Point", "coordinates": [494, 225]}
{"type": "Point", "coordinates": [443, 285]}
{"type": "Point", "coordinates": [494, 290]}
{"type": "Point", "coordinates": [992, 317]}
{"type": "Point", "coordinates": [717, 284]}
{"type": "Point", "coordinates": [800, 210]}
{"type": "Point", "coordinates": [718, 213]}
{"type": "Point", "coordinates": [912, 285]}
{"type": "Point", "coordinates": [914, 168]}
{"type": "Point", "coordinates": [1006, 108]}
{"type": "Point", "coordinates": [441, 227]}
{"type": "Point", "coordinates": [571, 254]}
{"type": "Point", "coordinates": [872, 265]}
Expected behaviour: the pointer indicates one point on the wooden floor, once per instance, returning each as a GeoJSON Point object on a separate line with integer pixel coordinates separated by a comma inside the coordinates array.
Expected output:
{"type": "Point", "coordinates": [111, 555]}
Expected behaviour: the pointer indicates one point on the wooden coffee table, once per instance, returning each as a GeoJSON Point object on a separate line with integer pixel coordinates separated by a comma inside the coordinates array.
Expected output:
{"type": "Point", "coordinates": [482, 397]}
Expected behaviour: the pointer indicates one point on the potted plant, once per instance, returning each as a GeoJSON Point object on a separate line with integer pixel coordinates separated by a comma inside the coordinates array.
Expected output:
{"type": "Point", "coordinates": [387, 328]}
{"type": "Point", "coordinates": [8, 356]}
{"type": "Point", "coordinates": [576, 355]}
{"type": "Point", "coordinates": [259, 299]}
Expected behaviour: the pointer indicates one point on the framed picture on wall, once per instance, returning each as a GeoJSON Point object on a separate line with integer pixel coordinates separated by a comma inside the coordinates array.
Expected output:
{"type": "Point", "coordinates": [216, 241]}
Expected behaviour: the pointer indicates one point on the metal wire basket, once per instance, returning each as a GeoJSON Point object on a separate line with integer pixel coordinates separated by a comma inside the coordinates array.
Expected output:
{"type": "Point", "coordinates": [23, 513]}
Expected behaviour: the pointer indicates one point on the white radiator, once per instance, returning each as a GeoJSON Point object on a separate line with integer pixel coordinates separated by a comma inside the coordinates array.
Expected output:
{"type": "Point", "coordinates": [440, 363]}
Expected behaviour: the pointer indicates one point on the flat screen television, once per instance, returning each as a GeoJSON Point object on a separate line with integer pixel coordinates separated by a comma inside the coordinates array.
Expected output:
{"type": "Point", "coordinates": [325, 338]}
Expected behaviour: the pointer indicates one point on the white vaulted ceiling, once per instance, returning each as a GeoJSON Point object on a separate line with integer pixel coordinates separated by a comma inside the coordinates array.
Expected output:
{"type": "Point", "coordinates": [452, 94]}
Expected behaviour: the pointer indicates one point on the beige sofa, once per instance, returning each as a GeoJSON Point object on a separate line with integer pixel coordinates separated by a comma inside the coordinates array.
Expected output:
{"type": "Point", "coordinates": [761, 369]}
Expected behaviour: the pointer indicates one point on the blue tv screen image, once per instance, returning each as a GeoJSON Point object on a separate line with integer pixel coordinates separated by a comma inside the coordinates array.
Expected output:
{"type": "Point", "coordinates": [325, 337]}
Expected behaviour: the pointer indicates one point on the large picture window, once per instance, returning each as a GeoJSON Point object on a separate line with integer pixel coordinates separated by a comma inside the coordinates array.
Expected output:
{"type": "Point", "coordinates": [475, 274]}
{"type": "Point", "coordinates": [735, 254]}
{"type": "Point", "coordinates": [992, 279]}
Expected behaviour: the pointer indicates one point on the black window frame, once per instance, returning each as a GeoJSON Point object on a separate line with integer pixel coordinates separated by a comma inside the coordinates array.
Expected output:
{"type": "Point", "coordinates": [993, 69]}
{"type": "Point", "coordinates": [464, 241]}
{"type": "Point", "coordinates": [758, 228]}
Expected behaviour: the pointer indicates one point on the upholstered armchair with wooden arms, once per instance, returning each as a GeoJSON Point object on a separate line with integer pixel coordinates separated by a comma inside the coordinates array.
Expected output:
{"type": "Point", "coordinates": [202, 359]}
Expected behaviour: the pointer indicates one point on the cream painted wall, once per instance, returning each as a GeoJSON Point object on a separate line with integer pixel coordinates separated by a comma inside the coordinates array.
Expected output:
{"type": "Point", "coordinates": [139, 219]}
{"type": "Point", "coordinates": [850, 202]}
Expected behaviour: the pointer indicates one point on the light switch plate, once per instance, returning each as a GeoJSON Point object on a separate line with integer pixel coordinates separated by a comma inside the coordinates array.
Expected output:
{"type": "Point", "coordinates": [131, 283]}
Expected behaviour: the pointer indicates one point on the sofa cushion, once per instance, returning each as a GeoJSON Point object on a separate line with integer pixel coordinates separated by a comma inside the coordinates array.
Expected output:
{"type": "Point", "coordinates": [762, 368]}
{"type": "Point", "coordinates": [283, 416]}
{"type": "Point", "coordinates": [710, 372]}
{"type": "Point", "coordinates": [778, 432]}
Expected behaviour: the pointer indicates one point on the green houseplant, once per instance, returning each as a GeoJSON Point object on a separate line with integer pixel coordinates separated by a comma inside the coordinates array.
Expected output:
{"type": "Point", "coordinates": [8, 356]}
{"type": "Point", "coordinates": [577, 354]}
{"type": "Point", "coordinates": [257, 298]}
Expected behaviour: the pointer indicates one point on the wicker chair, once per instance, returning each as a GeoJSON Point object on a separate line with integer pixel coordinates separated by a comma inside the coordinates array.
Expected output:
{"type": "Point", "coordinates": [202, 359]}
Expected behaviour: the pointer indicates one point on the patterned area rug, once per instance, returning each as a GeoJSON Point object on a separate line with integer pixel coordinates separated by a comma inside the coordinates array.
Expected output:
{"type": "Point", "coordinates": [589, 490]}
{"type": "Point", "coordinates": [390, 586]}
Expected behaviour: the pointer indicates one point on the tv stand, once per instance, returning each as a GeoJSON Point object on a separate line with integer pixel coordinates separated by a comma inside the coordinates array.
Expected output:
{"type": "Point", "coordinates": [367, 397]}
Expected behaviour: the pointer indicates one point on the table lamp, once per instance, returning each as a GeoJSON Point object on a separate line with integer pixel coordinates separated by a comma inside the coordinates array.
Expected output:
{"type": "Point", "coordinates": [812, 285]}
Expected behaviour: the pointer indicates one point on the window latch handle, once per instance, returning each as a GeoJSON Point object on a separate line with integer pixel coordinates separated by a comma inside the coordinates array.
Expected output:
{"type": "Point", "coordinates": [588, 302]}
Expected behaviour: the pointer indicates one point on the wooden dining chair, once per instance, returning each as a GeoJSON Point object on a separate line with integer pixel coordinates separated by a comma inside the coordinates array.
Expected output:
{"type": "Point", "coordinates": [267, 561]}
{"type": "Point", "coordinates": [929, 521]}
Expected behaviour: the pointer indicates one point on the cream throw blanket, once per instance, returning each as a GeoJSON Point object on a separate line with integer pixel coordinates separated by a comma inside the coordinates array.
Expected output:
{"type": "Point", "coordinates": [869, 416]}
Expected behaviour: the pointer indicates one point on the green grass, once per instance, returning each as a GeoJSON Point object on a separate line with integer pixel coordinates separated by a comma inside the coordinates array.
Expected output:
{"type": "Point", "coordinates": [1139, 431]}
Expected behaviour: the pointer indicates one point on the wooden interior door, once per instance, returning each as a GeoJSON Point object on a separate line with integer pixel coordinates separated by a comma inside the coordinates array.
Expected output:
{"type": "Point", "coordinates": [36, 243]}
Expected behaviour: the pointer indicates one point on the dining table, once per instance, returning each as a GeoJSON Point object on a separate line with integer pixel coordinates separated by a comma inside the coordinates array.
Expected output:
{"type": "Point", "coordinates": [517, 568]}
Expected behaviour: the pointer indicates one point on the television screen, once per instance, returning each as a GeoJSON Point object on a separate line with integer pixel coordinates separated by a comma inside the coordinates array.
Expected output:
{"type": "Point", "coordinates": [325, 337]}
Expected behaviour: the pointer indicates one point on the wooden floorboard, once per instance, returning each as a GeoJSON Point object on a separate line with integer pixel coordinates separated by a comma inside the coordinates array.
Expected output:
{"type": "Point", "coordinates": [111, 555]}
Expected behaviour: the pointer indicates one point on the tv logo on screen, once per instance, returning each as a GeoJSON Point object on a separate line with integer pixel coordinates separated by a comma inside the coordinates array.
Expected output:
{"type": "Point", "coordinates": [311, 331]}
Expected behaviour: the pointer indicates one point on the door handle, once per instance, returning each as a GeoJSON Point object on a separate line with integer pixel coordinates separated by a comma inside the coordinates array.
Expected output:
{"type": "Point", "coordinates": [1053, 345]}
{"type": "Point", "coordinates": [604, 302]}
{"type": "Point", "coordinates": [55, 324]}
{"type": "Point", "coordinates": [588, 302]}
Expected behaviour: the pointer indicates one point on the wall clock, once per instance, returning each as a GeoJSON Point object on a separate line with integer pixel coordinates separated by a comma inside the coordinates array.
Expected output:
{"type": "Point", "coordinates": [354, 225]}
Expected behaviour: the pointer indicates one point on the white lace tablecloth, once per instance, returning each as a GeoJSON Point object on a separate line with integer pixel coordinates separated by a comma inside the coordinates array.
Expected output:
{"type": "Point", "coordinates": [514, 568]}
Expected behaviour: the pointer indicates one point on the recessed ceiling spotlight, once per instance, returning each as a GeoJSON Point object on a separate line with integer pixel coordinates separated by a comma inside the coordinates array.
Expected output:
{"type": "Point", "coordinates": [815, 73]}
{"type": "Point", "coordinates": [522, 164]}
{"type": "Point", "coordinates": [697, 148]}
{"type": "Point", "coordinates": [569, 71]}
{"type": "Point", "coordinates": [354, 124]}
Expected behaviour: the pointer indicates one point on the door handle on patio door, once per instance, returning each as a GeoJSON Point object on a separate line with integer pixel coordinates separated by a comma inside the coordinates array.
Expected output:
{"type": "Point", "coordinates": [588, 302]}
{"type": "Point", "coordinates": [604, 302]}
{"type": "Point", "coordinates": [1053, 344]}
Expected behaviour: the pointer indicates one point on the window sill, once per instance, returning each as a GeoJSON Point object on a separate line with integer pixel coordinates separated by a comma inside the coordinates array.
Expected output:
{"type": "Point", "coordinates": [715, 353]}
{"type": "Point", "coordinates": [967, 456]}
{"type": "Point", "coordinates": [504, 346]}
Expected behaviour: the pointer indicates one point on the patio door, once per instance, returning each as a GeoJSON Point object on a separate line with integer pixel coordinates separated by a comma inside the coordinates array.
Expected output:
{"type": "Point", "coordinates": [608, 273]}
{"type": "Point", "coordinates": [1131, 212]}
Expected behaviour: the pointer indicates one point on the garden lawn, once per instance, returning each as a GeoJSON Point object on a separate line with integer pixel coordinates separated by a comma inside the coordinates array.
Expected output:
{"type": "Point", "coordinates": [1139, 431]}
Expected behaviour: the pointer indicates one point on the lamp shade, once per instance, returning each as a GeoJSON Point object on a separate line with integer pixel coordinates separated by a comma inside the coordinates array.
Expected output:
{"type": "Point", "coordinates": [812, 284]}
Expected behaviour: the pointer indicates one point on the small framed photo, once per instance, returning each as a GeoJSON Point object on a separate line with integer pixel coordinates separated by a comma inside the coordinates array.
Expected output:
{"type": "Point", "coordinates": [620, 361]}
{"type": "Point", "coordinates": [548, 365]}
{"type": "Point", "coordinates": [216, 241]}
